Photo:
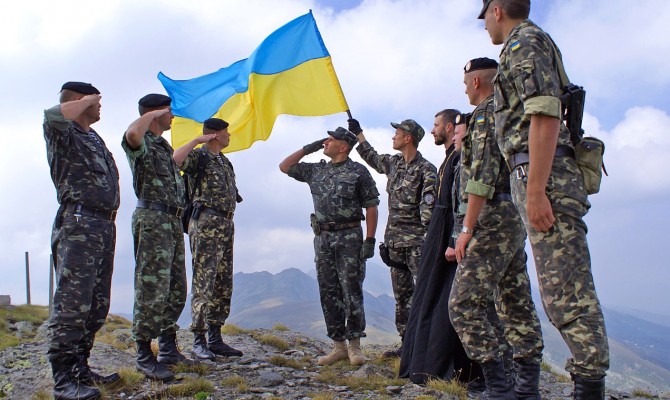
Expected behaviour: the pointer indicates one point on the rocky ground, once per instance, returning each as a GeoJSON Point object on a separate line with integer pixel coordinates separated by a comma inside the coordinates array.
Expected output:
{"type": "Point", "coordinates": [277, 364]}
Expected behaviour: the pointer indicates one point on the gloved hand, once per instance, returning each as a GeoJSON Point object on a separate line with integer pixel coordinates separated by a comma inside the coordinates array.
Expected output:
{"type": "Point", "coordinates": [368, 249]}
{"type": "Point", "coordinates": [354, 126]}
{"type": "Point", "coordinates": [314, 146]}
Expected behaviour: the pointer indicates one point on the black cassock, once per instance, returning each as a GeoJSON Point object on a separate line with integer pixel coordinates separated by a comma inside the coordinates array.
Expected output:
{"type": "Point", "coordinates": [431, 348]}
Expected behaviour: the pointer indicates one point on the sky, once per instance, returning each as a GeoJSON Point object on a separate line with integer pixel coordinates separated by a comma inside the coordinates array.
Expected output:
{"type": "Point", "coordinates": [394, 59]}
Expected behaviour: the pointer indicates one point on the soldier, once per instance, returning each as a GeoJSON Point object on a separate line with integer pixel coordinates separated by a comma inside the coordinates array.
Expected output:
{"type": "Point", "coordinates": [82, 239]}
{"type": "Point", "coordinates": [491, 255]}
{"type": "Point", "coordinates": [211, 234]}
{"type": "Point", "coordinates": [547, 186]}
{"type": "Point", "coordinates": [411, 190]}
{"type": "Point", "coordinates": [340, 189]}
{"type": "Point", "coordinates": [160, 274]}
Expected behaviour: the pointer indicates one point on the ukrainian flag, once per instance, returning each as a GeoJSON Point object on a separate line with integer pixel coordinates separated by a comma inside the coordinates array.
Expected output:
{"type": "Point", "coordinates": [291, 72]}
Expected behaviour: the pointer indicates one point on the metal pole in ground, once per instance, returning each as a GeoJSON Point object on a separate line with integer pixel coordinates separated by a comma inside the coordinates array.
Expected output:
{"type": "Point", "coordinates": [27, 279]}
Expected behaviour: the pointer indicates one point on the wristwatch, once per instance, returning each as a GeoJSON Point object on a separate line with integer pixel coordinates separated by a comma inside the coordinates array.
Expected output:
{"type": "Point", "coordinates": [467, 230]}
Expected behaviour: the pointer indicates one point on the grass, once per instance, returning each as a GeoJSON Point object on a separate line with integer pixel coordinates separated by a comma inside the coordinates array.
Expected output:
{"type": "Point", "coordinates": [322, 396]}
{"type": "Point", "coordinates": [106, 335]}
{"type": "Point", "coordinates": [238, 382]}
{"type": "Point", "coordinates": [642, 393]}
{"type": "Point", "coordinates": [333, 375]}
{"type": "Point", "coordinates": [231, 329]}
{"type": "Point", "coordinates": [200, 369]}
{"type": "Point", "coordinates": [546, 367]}
{"type": "Point", "coordinates": [452, 387]}
{"type": "Point", "coordinates": [280, 328]}
{"type": "Point", "coordinates": [42, 395]}
{"type": "Point", "coordinates": [282, 361]}
{"type": "Point", "coordinates": [12, 314]}
{"type": "Point", "coordinates": [272, 340]}
{"type": "Point", "coordinates": [190, 387]}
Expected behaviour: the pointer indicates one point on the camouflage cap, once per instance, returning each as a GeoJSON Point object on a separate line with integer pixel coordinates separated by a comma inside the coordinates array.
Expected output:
{"type": "Point", "coordinates": [484, 8]}
{"type": "Point", "coordinates": [343, 134]}
{"type": "Point", "coordinates": [412, 127]}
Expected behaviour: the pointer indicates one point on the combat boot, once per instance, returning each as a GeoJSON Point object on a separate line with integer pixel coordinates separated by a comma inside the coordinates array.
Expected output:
{"type": "Point", "coordinates": [355, 354]}
{"type": "Point", "coordinates": [216, 344]}
{"type": "Point", "coordinates": [147, 364]}
{"type": "Point", "coordinates": [527, 384]}
{"type": "Point", "coordinates": [395, 353]}
{"type": "Point", "coordinates": [339, 352]}
{"type": "Point", "coordinates": [86, 376]}
{"type": "Point", "coordinates": [476, 389]}
{"type": "Point", "coordinates": [168, 353]}
{"type": "Point", "coordinates": [66, 385]}
{"type": "Point", "coordinates": [588, 389]}
{"type": "Point", "coordinates": [497, 385]}
{"type": "Point", "coordinates": [200, 350]}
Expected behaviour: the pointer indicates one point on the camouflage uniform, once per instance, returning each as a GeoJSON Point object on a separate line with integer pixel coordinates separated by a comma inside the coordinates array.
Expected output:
{"type": "Point", "coordinates": [495, 261]}
{"type": "Point", "coordinates": [528, 83]}
{"type": "Point", "coordinates": [411, 190]}
{"type": "Point", "coordinates": [84, 172]}
{"type": "Point", "coordinates": [160, 275]}
{"type": "Point", "coordinates": [340, 192]}
{"type": "Point", "coordinates": [211, 236]}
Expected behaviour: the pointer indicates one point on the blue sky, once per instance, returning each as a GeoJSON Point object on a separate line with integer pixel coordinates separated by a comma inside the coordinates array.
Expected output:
{"type": "Point", "coordinates": [395, 60]}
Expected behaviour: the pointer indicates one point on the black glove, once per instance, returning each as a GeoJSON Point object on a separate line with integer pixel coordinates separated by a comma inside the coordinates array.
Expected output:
{"type": "Point", "coordinates": [368, 249]}
{"type": "Point", "coordinates": [354, 126]}
{"type": "Point", "coordinates": [314, 146]}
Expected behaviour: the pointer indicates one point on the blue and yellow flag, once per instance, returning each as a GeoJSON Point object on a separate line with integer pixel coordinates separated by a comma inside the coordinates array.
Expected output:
{"type": "Point", "coordinates": [291, 72]}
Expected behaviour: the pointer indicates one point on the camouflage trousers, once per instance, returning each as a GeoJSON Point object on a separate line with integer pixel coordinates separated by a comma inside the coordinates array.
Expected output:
{"type": "Point", "coordinates": [403, 282]}
{"type": "Point", "coordinates": [211, 239]}
{"type": "Point", "coordinates": [340, 274]}
{"type": "Point", "coordinates": [83, 256]}
{"type": "Point", "coordinates": [563, 266]}
{"type": "Point", "coordinates": [160, 274]}
{"type": "Point", "coordinates": [495, 265]}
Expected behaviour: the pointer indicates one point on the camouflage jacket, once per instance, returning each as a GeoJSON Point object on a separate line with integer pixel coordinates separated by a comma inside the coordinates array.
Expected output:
{"type": "Point", "coordinates": [527, 83]}
{"type": "Point", "coordinates": [339, 191]}
{"type": "Point", "coordinates": [483, 171]}
{"type": "Point", "coordinates": [82, 168]}
{"type": "Point", "coordinates": [411, 190]}
{"type": "Point", "coordinates": [217, 189]}
{"type": "Point", "coordinates": [156, 176]}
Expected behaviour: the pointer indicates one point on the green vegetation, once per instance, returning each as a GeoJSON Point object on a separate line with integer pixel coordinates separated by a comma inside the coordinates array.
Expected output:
{"type": "Point", "coordinates": [282, 361]}
{"type": "Point", "coordinates": [106, 333]}
{"type": "Point", "coordinates": [230, 329]}
{"type": "Point", "coordinates": [200, 369]}
{"type": "Point", "coordinates": [322, 396]}
{"type": "Point", "coordinates": [13, 314]}
{"type": "Point", "coordinates": [189, 388]}
{"type": "Point", "coordinates": [239, 383]}
{"type": "Point", "coordinates": [280, 327]}
{"type": "Point", "coordinates": [273, 341]}
{"type": "Point", "coordinates": [642, 393]}
{"type": "Point", "coordinates": [452, 387]}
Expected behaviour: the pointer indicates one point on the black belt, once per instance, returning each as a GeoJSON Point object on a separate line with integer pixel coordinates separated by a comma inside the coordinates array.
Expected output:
{"type": "Point", "coordinates": [214, 211]}
{"type": "Point", "coordinates": [523, 158]}
{"type": "Point", "coordinates": [332, 226]}
{"type": "Point", "coordinates": [153, 205]}
{"type": "Point", "coordinates": [79, 210]}
{"type": "Point", "coordinates": [498, 197]}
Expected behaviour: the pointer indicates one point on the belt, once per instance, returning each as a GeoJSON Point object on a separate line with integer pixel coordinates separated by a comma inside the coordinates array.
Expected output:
{"type": "Point", "coordinates": [498, 197]}
{"type": "Point", "coordinates": [79, 210]}
{"type": "Point", "coordinates": [332, 226]}
{"type": "Point", "coordinates": [214, 211]}
{"type": "Point", "coordinates": [154, 205]}
{"type": "Point", "coordinates": [523, 158]}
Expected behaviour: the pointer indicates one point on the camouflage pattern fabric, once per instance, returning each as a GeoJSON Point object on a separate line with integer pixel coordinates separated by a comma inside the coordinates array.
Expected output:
{"type": "Point", "coordinates": [339, 192]}
{"type": "Point", "coordinates": [528, 83]}
{"type": "Point", "coordinates": [160, 274]}
{"type": "Point", "coordinates": [211, 238]}
{"type": "Point", "coordinates": [83, 171]}
{"type": "Point", "coordinates": [411, 190]}
{"type": "Point", "coordinates": [403, 282]}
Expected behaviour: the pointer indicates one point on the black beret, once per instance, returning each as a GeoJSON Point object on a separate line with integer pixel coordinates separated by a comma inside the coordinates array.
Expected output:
{"type": "Point", "coordinates": [80, 87]}
{"type": "Point", "coordinates": [343, 134]}
{"type": "Point", "coordinates": [154, 100]}
{"type": "Point", "coordinates": [480, 63]}
{"type": "Point", "coordinates": [215, 124]}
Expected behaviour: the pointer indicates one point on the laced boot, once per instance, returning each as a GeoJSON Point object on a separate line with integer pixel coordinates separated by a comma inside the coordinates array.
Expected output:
{"type": "Point", "coordinates": [527, 384]}
{"type": "Point", "coordinates": [89, 378]}
{"type": "Point", "coordinates": [339, 352]}
{"type": "Point", "coordinates": [168, 353]}
{"type": "Point", "coordinates": [355, 354]}
{"type": "Point", "coordinates": [66, 385]}
{"type": "Point", "coordinates": [497, 385]}
{"type": "Point", "coordinates": [147, 364]}
{"type": "Point", "coordinates": [476, 389]}
{"type": "Point", "coordinates": [588, 389]}
{"type": "Point", "coordinates": [200, 350]}
{"type": "Point", "coordinates": [216, 344]}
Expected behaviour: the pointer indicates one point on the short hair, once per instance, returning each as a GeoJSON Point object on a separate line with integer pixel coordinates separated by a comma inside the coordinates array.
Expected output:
{"type": "Point", "coordinates": [515, 9]}
{"type": "Point", "coordinates": [449, 115]}
{"type": "Point", "coordinates": [69, 95]}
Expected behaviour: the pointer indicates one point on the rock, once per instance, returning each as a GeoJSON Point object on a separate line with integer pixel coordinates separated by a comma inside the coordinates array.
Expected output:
{"type": "Point", "coordinates": [269, 379]}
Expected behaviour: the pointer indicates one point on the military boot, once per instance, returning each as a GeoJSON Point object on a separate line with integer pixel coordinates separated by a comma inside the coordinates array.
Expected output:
{"type": "Point", "coordinates": [588, 389]}
{"type": "Point", "coordinates": [339, 352]}
{"type": "Point", "coordinates": [355, 354]}
{"type": "Point", "coordinates": [168, 353]}
{"type": "Point", "coordinates": [497, 385]}
{"type": "Point", "coordinates": [395, 353]}
{"type": "Point", "coordinates": [476, 389]}
{"type": "Point", "coordinates": [216, 344]}
{"type": "Point", "coordinates": [66, 385]}
{"type": "Point", "coordinates": [86, 376]}
{"type": "Point", "coordinates": [147, 364]}
{"type": "Point", "coordinates": [527, 384]}
{"type": "Point", "coordinates": [200, 350]}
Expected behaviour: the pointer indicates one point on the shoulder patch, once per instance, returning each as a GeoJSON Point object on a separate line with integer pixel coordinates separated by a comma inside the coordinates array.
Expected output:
{"type": "Point", "coordinates": [429, 198]}
{"type": "Point", "coordinates": [480, 119]}
{"type": "Point", "coordinates": [515, 45]}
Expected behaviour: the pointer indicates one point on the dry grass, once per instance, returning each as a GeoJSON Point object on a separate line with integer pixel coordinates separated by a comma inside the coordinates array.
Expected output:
{"type": "Point", "coordinates": [336, 375]}
{"type": "Point", "coordinates": [272, 340]}
{"type": "Point", "coordinates": [322, 396]}
{"type": "Point", "coordinates": [182, 368]}
{"type": "Point", "coordinates": [190, 387]}
{"type": "Point", "coordinates": [642, 393]}
{"type": "Point", "coordinates": [282, 361]}
{"type": "Point", "coordinates": [559, 377]}
{"type": "Point", "coordinates": [42, 395]}
{"type": "Point", "coordinates": [452, 387]}
{"type": "Point", "coordinates": [230, 329]}
{"type": "Point", "coordinates": [235, 381]}
{"type": "Point", "coordinates": [280, 327]}
{"type": "Point", "coordinates": [12, 314]}
{"type": "Point", "coordinates": [106, 335]}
